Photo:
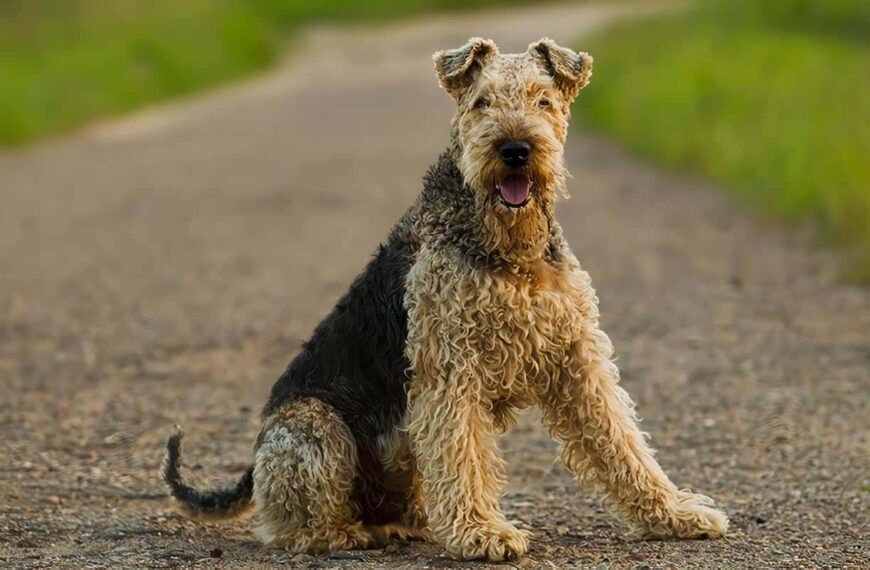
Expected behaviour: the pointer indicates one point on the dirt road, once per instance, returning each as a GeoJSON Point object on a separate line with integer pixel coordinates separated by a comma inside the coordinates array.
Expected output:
{"type": "Point", "coordinates": [166, 268]}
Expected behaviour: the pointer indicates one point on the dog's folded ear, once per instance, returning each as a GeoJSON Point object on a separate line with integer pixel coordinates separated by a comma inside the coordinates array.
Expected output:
{"type": "Point", "coordinates": [456, 69]}
{"type": "Point", "coordinates": [570, 70]}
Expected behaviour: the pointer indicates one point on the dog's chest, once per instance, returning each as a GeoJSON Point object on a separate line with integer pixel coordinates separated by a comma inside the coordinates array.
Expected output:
{"type": "Point", "coordinates": [526, 325]}
{"type": "Point", "coordinates": [512, 330]}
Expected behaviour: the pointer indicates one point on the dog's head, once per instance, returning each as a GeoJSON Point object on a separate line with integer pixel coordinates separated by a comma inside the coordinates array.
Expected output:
{"type": "Point", "coordinates": [509, 129]}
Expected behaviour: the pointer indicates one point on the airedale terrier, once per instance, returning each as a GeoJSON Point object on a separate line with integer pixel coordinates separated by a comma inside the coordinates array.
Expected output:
{"type": "Point", "coordinates": [474, 308]}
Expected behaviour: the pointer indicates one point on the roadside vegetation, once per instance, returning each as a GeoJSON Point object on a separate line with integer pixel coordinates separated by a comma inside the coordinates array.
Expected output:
{"type": "Point", "coordinates": [66, 62]}
{"type": "Point", "coordinates": [768, 98]}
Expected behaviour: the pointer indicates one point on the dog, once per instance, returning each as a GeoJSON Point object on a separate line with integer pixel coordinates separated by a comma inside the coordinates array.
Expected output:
{"type": "Point", "coordinates": [384, 426]}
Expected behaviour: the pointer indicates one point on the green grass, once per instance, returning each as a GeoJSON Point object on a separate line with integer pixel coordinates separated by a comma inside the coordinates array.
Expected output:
{"type": "Point", "coordinates": [66, 62]}
{"type": "Point", "coordinates": [771, 99]}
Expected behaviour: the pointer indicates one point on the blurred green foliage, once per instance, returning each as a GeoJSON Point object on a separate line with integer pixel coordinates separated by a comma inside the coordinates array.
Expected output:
{"type": "Point", "coordinates": [66, 62]}
{"type": "Point", "coordinates": [770, 98]}
{"type": "Point", "coordinates": [839, 18]}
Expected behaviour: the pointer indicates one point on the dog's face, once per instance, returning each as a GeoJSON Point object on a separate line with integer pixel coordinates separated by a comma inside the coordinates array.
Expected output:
{"type": "Point", "coordinates": [509, 130]}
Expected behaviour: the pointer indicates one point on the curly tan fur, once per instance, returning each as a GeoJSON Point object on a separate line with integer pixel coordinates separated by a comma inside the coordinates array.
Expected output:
{"type": "Point", "coordinates": [475, 308]}
{"type": "Point", "coordinates": [304, 475]}
{"type": "Point", "coordinates": [521, 328]}
{"type": "Point", "coordinates": [303, 480]}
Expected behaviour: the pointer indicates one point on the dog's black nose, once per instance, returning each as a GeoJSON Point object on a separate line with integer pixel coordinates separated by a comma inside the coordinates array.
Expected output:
{"type": "Point", "coordinates": [515, 153]}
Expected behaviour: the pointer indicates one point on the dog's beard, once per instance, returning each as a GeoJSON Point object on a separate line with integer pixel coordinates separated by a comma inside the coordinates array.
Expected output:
{"type": "Point", "coordinates": [514, 207]}
{"type": "Point", "coordinates": [514, 190]}
{"type": "Point", "coordinates": [541, 180]}
{"type": "Point", "coordinates": [519, 231]}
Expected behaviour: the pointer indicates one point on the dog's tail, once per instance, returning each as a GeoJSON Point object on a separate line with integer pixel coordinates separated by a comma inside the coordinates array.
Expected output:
{"type": "Point", "coordinates": [211, 505]}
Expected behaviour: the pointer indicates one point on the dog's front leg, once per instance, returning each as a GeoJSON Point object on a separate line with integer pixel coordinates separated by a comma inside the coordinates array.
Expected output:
{"type": "Point", "coordinates": [453, 437]}
{"type": "Point", "coordinates": [594, 419]}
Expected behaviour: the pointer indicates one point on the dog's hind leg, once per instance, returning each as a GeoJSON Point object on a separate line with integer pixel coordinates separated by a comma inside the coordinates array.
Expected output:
{"type": "Point", "coordinates": [304, 475]}
{"type": "Point", "coordinates": [594, 419]}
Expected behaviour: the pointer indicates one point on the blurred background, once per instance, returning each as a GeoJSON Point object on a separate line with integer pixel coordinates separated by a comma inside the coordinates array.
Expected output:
{"type": "Point", "coordinates": [768, 97]}
{"type": "Point", "coordinates": [188, 186]}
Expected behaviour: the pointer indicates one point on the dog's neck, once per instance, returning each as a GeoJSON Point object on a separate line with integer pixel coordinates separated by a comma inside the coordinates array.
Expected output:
{"type": "Point", "coordinates": [485, 234]}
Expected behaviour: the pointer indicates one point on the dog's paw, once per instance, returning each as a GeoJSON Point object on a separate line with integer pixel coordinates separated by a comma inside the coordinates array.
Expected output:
{"type": "Point", "coordinates": [496, 542]}
{"type": "Point", "coordinates": [692, 516]}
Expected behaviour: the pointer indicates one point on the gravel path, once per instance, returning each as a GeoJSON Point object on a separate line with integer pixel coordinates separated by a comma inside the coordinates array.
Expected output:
{"type": "Point", "coordinates": [165, 269]}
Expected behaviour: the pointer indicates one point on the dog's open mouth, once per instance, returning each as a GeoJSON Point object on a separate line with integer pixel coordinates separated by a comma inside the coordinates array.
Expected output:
{"type": "Point", "coordinates": [514, 189]}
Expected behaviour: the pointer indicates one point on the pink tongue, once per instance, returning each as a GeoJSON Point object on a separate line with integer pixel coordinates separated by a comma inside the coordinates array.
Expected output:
{"type": "Point", "coordinates": [515, 189]}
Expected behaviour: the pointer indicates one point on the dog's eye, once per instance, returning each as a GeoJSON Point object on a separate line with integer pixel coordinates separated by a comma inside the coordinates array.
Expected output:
{"type": "Point", "coordinates": [481, 103]}
{"type": "Point", "coordinates": [544, 103]}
